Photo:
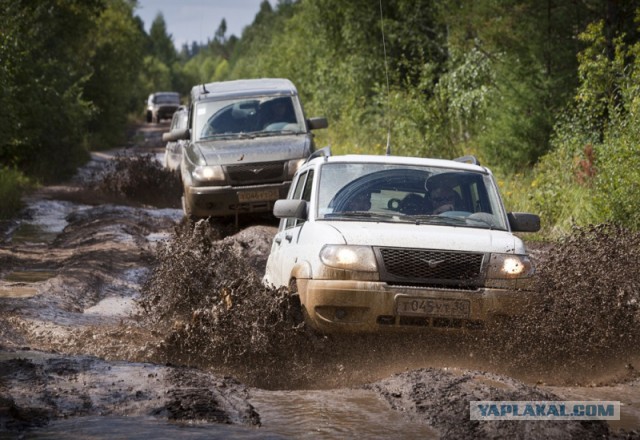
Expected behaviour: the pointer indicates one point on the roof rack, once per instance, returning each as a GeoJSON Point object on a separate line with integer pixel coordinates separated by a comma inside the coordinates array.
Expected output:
{"type": "Point", "coordinates": [322, 152]}
{"type": "Point", "coordinates": [468, 159]}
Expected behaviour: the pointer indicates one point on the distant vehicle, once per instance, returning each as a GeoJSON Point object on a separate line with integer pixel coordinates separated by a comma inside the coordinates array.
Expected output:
{"type": "Point", "coordinates": [387, 243]}
{"type": "Point", "coordinates": [173, 149]}
{"type": "Point", "coordinates": [162, 105]}
{"type": "Point", "coordinates": [244, 142]}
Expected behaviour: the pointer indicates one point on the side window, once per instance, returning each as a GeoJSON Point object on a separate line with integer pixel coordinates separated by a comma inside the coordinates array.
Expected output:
{"type": "Point", "coordinates": [302, 191]}
{"type": "Point", "coordinates": [478, 197]}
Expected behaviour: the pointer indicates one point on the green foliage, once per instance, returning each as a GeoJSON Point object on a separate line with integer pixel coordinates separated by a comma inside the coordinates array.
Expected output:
{"type": "Point", "coordinates": [592, 174]}
{"type": "Point", "coordinates": [161, 42]}
{"type": "Point", "coordinates": [46, 45]}
{"type": "Point", "coordinates": [12, 186]}
{"type": "Point", "coordinates": [113, 88]}
{"type": "Point", "coordinates": [155, 75]}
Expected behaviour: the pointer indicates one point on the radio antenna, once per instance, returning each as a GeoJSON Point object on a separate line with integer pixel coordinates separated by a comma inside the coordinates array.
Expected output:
{"type": "Point", "coordinates": [386, 74]}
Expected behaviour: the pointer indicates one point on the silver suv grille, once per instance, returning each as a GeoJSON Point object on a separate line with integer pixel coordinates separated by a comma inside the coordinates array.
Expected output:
{"type": "Point", "coordinates": [247, 174]}
{"type": "Point", "coordinates": [430, 267]}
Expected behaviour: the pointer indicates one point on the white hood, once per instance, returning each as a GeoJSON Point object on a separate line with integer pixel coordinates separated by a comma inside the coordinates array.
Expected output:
{"type": "Point", "coordinates": [418, 236]}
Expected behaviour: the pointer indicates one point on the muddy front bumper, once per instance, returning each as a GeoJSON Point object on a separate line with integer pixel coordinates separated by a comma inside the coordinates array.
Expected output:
{"type": "Point", "coordinates": [220, 201]}
{"type": "Point", "coordinates": [336, 306]}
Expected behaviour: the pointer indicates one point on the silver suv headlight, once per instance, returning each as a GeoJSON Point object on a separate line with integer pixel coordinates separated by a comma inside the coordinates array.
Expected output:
{"type": "Point", "coordinates": [509, 266]}
{"type": "Point", "coordinates": [209, 173]}
{"type": "Point", "coordinates": [356, 258]}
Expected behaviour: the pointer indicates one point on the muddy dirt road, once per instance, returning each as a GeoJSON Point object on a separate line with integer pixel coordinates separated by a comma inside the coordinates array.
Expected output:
{"type": "Point", "coordinates": [120, 320]}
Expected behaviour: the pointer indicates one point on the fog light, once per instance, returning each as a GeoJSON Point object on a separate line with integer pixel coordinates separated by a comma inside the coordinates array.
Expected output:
{"type": "Point", "coordinates": [341, 313]}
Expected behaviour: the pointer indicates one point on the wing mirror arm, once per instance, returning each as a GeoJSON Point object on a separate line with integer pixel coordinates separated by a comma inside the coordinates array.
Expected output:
{"type": "Point", "coordinates": [176, 135]}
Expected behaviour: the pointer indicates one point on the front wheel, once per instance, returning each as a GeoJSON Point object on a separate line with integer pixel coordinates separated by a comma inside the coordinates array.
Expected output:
{"type": "Point", "coordinates": [186, 209]}
{"type": "Point", "coordinates": [294, 307]}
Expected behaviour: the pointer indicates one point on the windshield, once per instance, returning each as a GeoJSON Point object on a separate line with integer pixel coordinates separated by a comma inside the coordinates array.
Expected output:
{"type": "Point", "coordinates": [407, 193]}
{"type": "Point", "coordinates": [166, 98]}
{"type": "Point", "coordinates": [261, 116]}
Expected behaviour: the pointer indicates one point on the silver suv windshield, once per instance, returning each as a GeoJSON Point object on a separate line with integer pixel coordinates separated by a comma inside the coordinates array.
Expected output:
{"type": "Point", "coordinates": [405, 193]}
{"type": "Point", "coordinates": [253, 116]}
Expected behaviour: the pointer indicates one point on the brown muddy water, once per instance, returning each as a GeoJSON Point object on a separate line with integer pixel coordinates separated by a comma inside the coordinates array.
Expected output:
{"type": "Point", "coordinates": [119, 320]}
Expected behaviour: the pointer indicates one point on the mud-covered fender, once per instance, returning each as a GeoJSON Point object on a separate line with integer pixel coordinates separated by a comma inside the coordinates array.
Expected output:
{"type": "Point", "coordinates": [301, 270]}
{"type": "Point", "coordinates": [301, 273]}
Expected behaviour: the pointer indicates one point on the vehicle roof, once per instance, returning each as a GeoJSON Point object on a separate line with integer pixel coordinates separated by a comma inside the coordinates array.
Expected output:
{"type": "Point", "coordinates": [401, 160]}
{"type": "Point", "coordinates": [243, 87]}
{"type": "Point", "coordinates": [165, 93]}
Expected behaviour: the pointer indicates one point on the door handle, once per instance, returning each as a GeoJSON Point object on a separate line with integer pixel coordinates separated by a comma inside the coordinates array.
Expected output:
{"type": "Point", "coordinates": [288, 237]}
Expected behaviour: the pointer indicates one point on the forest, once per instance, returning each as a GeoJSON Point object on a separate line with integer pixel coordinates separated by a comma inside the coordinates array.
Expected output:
{"type": "Point", "coordinates": [545, 93]}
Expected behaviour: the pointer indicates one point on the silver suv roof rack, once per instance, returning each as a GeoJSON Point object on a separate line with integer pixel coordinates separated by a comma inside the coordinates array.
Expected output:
{"type": "Point", "coordinates": [468, 159]}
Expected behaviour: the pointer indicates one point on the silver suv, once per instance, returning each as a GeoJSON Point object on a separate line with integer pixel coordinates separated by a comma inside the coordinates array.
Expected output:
{"type": "Point", "coordinates": [382, 243]}
{"type": "Point", "coordinates": [245, 141]}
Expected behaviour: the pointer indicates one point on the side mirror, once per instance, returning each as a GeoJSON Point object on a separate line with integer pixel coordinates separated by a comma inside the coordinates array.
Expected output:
{"type": "Point", "coordinates": [317, 123]}
{"type": "Point", "coordinates": [523, 222]}
{"type": "Point", "coordinates": [286, 208]}
{"type": "Point", "coordinates": [176, 135]}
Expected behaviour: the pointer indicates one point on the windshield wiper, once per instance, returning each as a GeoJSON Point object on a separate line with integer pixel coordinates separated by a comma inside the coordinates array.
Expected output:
{"type": "Point", "coordinates": [229, 135]}
{"type": "Point", "coordinates": [277, 133]}
{"type": "Point", "coordinates": [431, 218]}
{"type": "Point", "coordinates": [358, 214]}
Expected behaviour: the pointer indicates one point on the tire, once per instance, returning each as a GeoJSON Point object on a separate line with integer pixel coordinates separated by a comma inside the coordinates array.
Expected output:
{"type": "Point", "coordinates": [297, 311]}
{"type": "Point", "coordinates": [187, 211]}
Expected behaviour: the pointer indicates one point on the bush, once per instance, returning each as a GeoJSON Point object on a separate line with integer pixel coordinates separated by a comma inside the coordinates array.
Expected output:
{"type": "Point", "coordinates": [13, 185]}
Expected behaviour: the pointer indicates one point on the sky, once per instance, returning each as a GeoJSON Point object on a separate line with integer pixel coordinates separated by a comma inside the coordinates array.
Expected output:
{"type": "Point", "coordinates": [198, 20]}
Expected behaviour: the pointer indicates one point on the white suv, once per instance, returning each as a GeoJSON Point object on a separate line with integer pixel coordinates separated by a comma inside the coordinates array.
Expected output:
{"type": "Point", "coordinates": [374, 243]}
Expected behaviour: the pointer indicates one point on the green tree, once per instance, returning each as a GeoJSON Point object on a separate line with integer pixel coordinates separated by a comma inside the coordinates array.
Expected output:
{"type": "Point", "coordinates": [161, 42]}
{"type": "Point", "coordinates": [44, 47]}
{"type": "Point", "coordinates": [114, 87]}
{"type": "Point", "coordinates": [591, 175]}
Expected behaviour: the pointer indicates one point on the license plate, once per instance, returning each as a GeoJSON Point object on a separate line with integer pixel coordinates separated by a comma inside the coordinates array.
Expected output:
{"type": "Point", "coordinates": [258, 196]}
{"type": "Point", "coordinates": [445, 308]}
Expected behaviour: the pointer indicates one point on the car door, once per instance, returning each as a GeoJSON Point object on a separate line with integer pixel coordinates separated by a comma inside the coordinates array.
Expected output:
{"type": "Point", "coordinates": [173, 150]}
{"type": "Point", "coordinates": [284, 250]}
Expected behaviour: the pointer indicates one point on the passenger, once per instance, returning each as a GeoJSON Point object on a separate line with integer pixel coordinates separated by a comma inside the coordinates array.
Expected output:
{"type": "Point", "coordinates": [443, 199]}
{"type": "Point", "coordinates": [279, 111]}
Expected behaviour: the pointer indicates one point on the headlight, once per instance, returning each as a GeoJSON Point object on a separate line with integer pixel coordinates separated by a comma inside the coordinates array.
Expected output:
{"type": "Point", "coordinates": [292, 167]}
{"type": "Point", "coordinates": [508, 266]}
{"type": "Point", "coordinates": [208, 173]}
{"type": "Point", "coordinates": [359, 258]}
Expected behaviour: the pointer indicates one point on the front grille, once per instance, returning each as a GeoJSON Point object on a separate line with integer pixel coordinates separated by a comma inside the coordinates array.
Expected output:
{"type": "Point", "coordinates": [430, 267]}
{"type": "Point", "coordinates": [247, 174]}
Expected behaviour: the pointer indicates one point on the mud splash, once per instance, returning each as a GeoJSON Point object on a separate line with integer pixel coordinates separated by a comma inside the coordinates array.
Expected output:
{"type": "Point", "coordinates": [139, 178]}
{"type": "Point", "coordinates": [210, 305]}
{"type": "Point", "coordinates": [583, 328]}
{"type": "Point", "coordinates": [584, 325]}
